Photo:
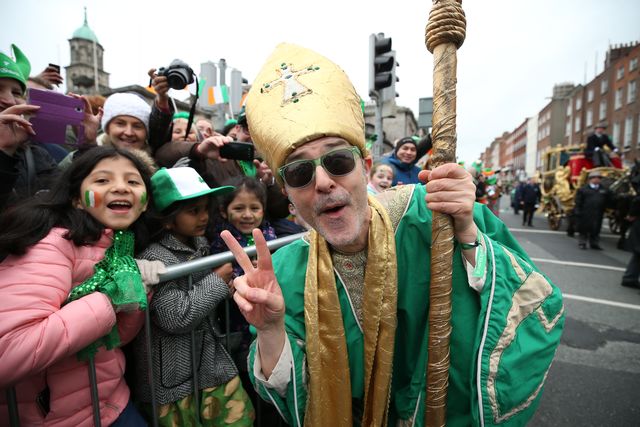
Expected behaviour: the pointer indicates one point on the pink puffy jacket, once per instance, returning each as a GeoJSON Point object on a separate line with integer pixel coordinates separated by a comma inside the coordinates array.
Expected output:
{"type": "Point", "coordinates": [39, 338]}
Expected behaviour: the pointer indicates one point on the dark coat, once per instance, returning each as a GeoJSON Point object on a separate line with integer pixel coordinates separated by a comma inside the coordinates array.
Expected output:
{"type": "Point", "coordinates": [634, 233]}
{"type": "Point", "coordinates": [590, 206]}
{"type": "Point", "coordinates": [160, 124]}
{"type": "Point", "coordinates": [19, 179]}
{"type": "Point", "coordinates": [530, 194]}
{"type": "Point", "coordinates": [594, 142]}
{"type": "Point", "coordinates": [176, 309]}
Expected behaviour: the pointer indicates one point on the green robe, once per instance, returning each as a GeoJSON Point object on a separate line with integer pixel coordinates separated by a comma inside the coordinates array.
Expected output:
{"type": "Point", "coordinates": [502, 343]}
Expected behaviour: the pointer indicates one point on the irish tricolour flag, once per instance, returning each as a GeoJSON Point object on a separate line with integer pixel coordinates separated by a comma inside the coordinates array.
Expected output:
{"type": "Point", "coordinates": [218, 95]}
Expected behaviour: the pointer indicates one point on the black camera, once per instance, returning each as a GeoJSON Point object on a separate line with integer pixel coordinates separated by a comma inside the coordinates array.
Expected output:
{"type": "Point", "coordinates": [178, 74]}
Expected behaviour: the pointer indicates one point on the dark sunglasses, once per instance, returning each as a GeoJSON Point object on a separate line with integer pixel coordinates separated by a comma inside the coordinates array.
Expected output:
{"type": "Point", "coordinates": [338, 162]}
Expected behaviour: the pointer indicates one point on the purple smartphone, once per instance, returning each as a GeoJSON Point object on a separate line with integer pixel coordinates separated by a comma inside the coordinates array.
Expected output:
{"type": "Point", "coordinates": [57, 111]}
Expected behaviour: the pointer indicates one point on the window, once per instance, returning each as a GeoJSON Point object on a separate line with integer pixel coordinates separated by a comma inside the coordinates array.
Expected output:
{"type": "Point", "coordinates": [589, 121]}
{"type": "Point", "coordinates": [604, 86]}
{"type": "Point", "coordinates": [631, 92]}
{"type": "Point", "coordinates": [638, 135]}
{"type": "Point", "coordinates": [567, 128]}
{"type": "Point", "coordinates": [618, 101]}
{"type": "Point", "coordinates": [578, 104]}
{"type": "Point", "coordinates": [620, 73]}
{"type": "Point", "coordinates": [628, 131]}
{"type": "Point", "coordinates": [603, 110]}
{"type": "Point", "coordinates": [569, 109]}
{"type": "Point", "coordinates": [576, 125]}
{"type": "Point", "coordinates": [590, 95]}
{"type": "Point", "coordinates": [633, 64]}
{"type": "Point", "coordinates": [616, 133]}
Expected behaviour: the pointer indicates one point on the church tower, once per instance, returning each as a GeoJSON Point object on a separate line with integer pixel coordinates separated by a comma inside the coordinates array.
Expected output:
{"type": "Point", "coordinates": [85, 73]}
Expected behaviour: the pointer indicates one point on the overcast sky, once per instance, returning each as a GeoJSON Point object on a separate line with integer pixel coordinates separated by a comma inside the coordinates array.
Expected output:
{"type": "Point", "coordinates": [514, 52]}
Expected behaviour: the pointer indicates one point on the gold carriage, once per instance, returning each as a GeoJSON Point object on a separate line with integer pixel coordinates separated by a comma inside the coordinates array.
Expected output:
{"type": "Point", "coordinates": [564, 170]}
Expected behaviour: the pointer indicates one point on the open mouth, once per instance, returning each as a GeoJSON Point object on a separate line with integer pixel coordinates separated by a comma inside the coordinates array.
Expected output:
{"type": "Point", "coordinates": [332, 210]}
{"type": "Point", "coordinates": [120, 206]}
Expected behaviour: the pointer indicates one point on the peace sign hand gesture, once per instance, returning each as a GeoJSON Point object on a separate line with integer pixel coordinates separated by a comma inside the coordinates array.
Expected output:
{"type": "Point", "coordinates": [257, 292]}
{"type": "Point", "coordinates": [259, 299]}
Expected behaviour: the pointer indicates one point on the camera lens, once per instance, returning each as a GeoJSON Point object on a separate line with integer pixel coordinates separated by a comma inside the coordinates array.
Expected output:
{"type": "Point", "coordinates": [176, 80]}
{"type": "Point", "coordinates": [179, 74]}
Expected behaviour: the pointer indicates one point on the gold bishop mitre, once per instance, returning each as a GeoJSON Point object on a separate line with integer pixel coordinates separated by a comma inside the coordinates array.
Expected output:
{"type": "Point", "coordinates": [300, 96]}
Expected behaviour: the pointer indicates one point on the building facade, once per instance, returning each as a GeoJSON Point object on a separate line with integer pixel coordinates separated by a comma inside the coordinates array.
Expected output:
{"type": "Point", "coordinates": [573, 112]}
{"type": "Point", "coordinates": [624, 114]}
{"type": "Point", "coordinates": [85, 74]}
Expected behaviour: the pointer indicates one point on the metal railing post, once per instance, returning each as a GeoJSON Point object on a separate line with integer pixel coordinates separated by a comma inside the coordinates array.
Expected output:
{"type": "Point", "coordinates": [95, 398]}
{"type": "Point", "coordinates": [152, 386]}
{"type": "Point", "coordinates": [12, 403]}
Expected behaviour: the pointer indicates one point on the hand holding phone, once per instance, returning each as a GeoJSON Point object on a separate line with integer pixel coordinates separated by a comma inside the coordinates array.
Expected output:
{"type": "Point", "coordinates": [237, 150]}
{"type": "Point", "coordinates": [57, 111]}
{"type": "Point", "coordinates": [50, 76]}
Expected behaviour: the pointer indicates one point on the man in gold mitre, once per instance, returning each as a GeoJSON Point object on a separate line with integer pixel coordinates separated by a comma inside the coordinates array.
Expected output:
{"type": "Point", "coordinates": [341, 315]}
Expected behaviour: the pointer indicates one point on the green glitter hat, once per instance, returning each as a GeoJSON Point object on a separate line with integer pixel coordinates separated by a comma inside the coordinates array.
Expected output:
{"type": "Point", "coordinates": [175, 184]}
{"type": "Point", "coordinates": [18, 70]}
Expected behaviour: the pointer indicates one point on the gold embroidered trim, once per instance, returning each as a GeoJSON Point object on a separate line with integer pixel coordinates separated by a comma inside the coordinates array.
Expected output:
{"type": "Point", "coordinates": [351, 268]}
{"type": "Point", "coordinates": [526, 300]}
{"type": "Point", "coordinates": [395, 201]}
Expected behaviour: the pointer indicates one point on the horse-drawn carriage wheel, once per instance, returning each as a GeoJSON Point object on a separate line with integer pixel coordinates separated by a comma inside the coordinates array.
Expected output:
{"type": "Point", "coordinates": [554, 216]}
{"type": "Point", "coordinates": [614, 224]}
{"type": "Point", "coordinates": [555, 221]}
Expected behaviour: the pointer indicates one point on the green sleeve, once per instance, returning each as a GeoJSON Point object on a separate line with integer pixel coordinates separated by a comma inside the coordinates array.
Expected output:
{"type": "Point", "coordinates": [518, 330]}
{"type": "Point", "coordinates": [292, 405]}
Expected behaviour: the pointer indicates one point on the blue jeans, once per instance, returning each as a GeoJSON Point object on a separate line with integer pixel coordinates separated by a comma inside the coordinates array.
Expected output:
{"type": "Point", "coordinates": [130, 417]}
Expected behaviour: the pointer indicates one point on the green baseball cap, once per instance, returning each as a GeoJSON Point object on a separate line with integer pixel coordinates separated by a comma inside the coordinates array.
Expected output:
{"type": "Point", "coordinates": [18, 70]}
{"type": "Point", "coordinates": [175, 184]}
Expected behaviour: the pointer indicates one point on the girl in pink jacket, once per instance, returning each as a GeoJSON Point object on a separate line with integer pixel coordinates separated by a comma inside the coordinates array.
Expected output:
{"type": "Point", "coordinates": [71, 291]}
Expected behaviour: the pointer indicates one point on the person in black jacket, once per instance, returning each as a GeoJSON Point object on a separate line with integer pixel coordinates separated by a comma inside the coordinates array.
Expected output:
{"type": "Point", "coordinates": [591, 201]}
{"type": "Point", "coordinates": [25, 168]}
{"type": "Point", "coordinates": [632, 272]}
{"type": "Point", "coordinates": [529, 200]}
{"type": "Point", "coordinates": [595, 147]}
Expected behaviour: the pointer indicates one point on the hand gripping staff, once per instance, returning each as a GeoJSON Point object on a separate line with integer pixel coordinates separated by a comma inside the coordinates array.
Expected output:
{"type": "Point", "coordinates": [445, 33]}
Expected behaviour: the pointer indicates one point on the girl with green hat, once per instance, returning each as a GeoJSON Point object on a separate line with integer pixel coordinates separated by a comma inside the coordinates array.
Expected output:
{"type": "Point", "coordinates": [183, 310]}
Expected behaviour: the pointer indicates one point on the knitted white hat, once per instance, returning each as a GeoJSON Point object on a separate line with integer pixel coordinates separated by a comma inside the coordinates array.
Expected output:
{"type": "Point", "coordinates": [125, 104]}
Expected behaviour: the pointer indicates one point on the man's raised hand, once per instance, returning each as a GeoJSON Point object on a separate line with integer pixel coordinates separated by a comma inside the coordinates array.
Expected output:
{"type": "Point", "coordinates": [258, 293]}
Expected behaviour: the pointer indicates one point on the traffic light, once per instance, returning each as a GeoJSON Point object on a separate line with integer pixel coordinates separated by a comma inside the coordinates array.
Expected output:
{"type": "Point", "coordinates": [389, 93]}
{"type": "Point", "coordinates": [381, 63]}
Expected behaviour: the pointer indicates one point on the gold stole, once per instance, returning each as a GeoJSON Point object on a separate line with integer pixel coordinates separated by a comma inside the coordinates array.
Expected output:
{"type": "Point", "coordinates": [329, 398]}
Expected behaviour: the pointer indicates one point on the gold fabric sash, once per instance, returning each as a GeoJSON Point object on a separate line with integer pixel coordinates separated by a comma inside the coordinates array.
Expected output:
{"type": "Point", "coordinates": [329, 398]}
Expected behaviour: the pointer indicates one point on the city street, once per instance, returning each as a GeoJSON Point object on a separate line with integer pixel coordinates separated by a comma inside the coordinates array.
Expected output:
{"type": "Point", "coordinates": [595, 378]}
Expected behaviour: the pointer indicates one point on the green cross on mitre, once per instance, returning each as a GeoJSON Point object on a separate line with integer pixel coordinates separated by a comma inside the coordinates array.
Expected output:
{"type": "Point", "coordinates": [293, 89]}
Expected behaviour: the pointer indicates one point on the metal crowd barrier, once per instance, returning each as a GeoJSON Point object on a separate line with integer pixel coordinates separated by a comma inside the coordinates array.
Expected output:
{"type": "Point", "coordinates": [173, 272]}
